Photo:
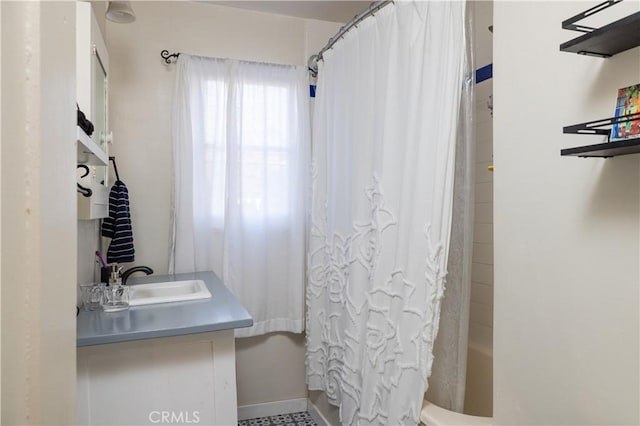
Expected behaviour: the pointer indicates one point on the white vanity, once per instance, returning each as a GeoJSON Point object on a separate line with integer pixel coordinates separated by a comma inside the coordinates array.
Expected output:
{"type": "Point", "coordinates": [169, 363]}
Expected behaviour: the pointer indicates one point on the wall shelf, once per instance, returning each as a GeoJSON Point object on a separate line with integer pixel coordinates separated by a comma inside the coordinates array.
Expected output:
{"type": "Point", "coordinates": [89, 152]}
{"type": "Point", "coordinates": [605, 41]}
{"type": "Point", "coordinates": [602, 127]}
{"type": "Point", "coordinates": [604, 150]}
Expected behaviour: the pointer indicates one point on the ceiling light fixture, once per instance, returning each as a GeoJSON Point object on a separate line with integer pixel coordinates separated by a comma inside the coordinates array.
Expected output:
{"type": "Point", "coordinates": [120, 12]}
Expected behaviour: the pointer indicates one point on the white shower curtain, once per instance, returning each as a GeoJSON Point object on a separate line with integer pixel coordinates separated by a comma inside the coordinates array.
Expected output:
{"type": "Point", "coordinates": [241, 160]}
{"type": "Point", "coordinates": [447, 383]}
{"type": "Point", "coordinates": [384, 136]}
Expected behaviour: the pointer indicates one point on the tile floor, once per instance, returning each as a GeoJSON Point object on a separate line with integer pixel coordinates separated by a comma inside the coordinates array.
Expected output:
{"type": "Point", "coordinates": [293, 419]}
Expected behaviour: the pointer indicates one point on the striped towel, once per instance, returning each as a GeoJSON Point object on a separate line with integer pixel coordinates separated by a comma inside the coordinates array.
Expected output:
{"type": "Point", "coordinates": [118, 226]}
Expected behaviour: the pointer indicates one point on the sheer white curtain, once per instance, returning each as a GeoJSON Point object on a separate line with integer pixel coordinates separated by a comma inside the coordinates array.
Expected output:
{"type": "Point", "coordinates": [241, 160]}
{"type": "Point", "coordinates": [384, 140]}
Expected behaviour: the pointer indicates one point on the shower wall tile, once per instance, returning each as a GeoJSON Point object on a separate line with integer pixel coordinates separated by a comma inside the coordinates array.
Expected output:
{"type": "Point", "coordinates": [481, 335]}
{"type": "Point", "coordinates": [482, 294]}
{"type": "Point", "coordinates": [482, 111]}
{"type": "Point", "coordinates": [484, 132]}
{"type": "Point", "coordinates": [478, 398]}
{"type": "Point", "coordinates": [484, 151]}
{"type": "Point", "coordinates": [482, 173]}
{"type": "Point", "coordinates": [484, 192]}
{"type": "Point", "coordinates": [484, 213]}
{"type": "Point", "coordinates": [483, 253]}
{"type": "Point", "coordinates": [483, 90]}
{"type": "Point", "coordinates": [483, 233]}
{"type": "Point", "coordinates": [482, 13]}
{"type": "Point", "coordinates": [482, 313]}
{"type": "Point", "coordinates": [482, 273]}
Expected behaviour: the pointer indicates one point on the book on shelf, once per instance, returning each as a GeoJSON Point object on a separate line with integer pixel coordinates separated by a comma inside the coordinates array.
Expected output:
{"type": "Point", "coordinates": [628, 102]}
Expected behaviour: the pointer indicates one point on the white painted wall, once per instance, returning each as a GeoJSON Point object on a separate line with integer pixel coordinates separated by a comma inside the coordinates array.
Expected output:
{"type": "Point", "coordinates": [269, 368]}
{"type": "Point", "coordinates": [567, 253]}
{"type": "Point", "coordinates": [38, 213]}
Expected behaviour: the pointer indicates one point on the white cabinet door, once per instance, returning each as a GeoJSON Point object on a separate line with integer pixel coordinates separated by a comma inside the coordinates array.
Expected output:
{"type": "Point", "coordinates": [175, 380]}
{"type": "Point", "coordinates": [92, 68]}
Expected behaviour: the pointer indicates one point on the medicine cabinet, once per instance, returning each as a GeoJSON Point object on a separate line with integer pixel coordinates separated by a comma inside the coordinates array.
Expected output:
{"type": "Point", "coordinates": [92, 70]}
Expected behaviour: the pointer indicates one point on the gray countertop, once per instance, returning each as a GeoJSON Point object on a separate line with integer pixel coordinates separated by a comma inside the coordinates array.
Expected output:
{"type": "Point", "coordinates": [221, 312]}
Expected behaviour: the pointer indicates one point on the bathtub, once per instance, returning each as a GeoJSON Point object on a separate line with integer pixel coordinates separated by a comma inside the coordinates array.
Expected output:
{"type": "Point", "coordinates": [478, 396]}
{"type": "Point", "coordinates": [432, 415]}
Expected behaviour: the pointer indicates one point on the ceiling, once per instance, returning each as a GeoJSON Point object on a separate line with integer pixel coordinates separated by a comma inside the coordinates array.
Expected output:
{"type": "Point", "coordinates": [331, 10]}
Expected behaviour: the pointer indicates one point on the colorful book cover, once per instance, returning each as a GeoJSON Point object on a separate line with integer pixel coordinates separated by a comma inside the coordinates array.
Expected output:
{"type": "Point", "coordinates": [628, 103]}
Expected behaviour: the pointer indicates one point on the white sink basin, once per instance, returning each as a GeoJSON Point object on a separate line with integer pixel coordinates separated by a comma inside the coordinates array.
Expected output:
{"type": "Point", "coordinates": [167, 292]}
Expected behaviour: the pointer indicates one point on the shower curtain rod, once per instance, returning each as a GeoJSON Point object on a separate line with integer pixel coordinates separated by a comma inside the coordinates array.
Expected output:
{"type": "Point", "coordinates": [312, 63]}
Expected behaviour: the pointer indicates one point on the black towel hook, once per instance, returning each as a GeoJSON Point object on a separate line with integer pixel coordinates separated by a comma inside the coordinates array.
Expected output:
{"type": "Point", "coordinates": [115, 167]}
{"type": "Point", "coordinates": [87, 192]}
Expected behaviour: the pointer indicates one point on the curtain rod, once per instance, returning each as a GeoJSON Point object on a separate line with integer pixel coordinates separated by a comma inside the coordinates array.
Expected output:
{"type": "Point", "coordinates": [312, 63]}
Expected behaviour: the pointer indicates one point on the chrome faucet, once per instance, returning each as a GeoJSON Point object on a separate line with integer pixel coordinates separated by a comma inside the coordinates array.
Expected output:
{"type": "Point", "coordinates": [125, 274]}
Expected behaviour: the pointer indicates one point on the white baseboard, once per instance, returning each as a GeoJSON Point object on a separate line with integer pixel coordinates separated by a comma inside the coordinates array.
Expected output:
{"type": "Point", "coordinates": [316, 415]}
{"type": "Point", "coordinates": [253, 411]}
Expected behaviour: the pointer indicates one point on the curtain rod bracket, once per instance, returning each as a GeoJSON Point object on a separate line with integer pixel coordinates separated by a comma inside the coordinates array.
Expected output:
{"type": "Point", "coordinates": [312, 65]}
{"type": "Point", "coordinates": [169, 57]}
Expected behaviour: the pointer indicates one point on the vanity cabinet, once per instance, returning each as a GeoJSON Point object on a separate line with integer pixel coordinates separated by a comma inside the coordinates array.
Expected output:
{"type": "Point", "coordinates": [92, 65]}
{"type": "Point", "coordinates": [172, 361]}
{"type": "Point", "coordinates": [187, 379]}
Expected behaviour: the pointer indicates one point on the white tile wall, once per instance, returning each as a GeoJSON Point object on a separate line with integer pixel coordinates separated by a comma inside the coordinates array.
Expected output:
{"type": "Point", "coordinates": [479, 389]}
{"type": "Point", "coordinates": [481, 315]}
{"type": "Point", "coordinates": [483, 233]}
{"type": "Point", "coordinates": [482, 274]}
{"type": "Point", "coordinates": [484, 214]}
{"type": "Point", "coordinates": [482, 294]}
{"type": "Point", "coordinates": [484, 193]}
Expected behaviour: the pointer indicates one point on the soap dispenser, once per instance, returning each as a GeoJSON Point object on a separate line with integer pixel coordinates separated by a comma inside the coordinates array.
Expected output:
{"type": "Point", "coordinates": [114, 277]}
{"type": "Point", "coordinates": [116, 295]}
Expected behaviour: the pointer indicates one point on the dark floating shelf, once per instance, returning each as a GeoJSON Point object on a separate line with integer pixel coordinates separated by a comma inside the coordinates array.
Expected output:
{"type": "Point", "coordinates": [602, 150]}
{"type": "Point", "coordinates": [603, 42]}
{"type": "Point", "coordinates": [605, 150]}
{"type": "Point", "coordinates": [606, 41]}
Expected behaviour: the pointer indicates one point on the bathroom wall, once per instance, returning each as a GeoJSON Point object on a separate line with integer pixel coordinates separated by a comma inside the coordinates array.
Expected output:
{"type": "Point", "coordinates": [269, 368]}
{"type": "Point", "coordinates": [38, 158]}
{"type": "Point", "coordinates": [479, 386]}
{"type": "Point", "coordinates": [100, 9]}
{"type": "Point", "coordinates": [567, 230]}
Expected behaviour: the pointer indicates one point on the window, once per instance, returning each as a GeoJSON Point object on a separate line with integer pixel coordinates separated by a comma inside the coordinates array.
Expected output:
{"type": "Point", "coordinates": [264, 146]}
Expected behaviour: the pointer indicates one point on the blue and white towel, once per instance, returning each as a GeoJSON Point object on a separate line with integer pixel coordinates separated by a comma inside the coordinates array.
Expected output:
{"type": "Point", "coordinates": [118, 225]}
